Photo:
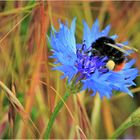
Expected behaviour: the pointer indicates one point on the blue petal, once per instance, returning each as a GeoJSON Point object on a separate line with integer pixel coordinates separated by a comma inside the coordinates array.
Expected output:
{"type": "Point", "coordinates": [114, 36]}
{"type": "Point", "coordinates": [123, 88]}
{"type": "Point", "coordinates": [98, 84]}
{"type": "Point", "coordinates": [64, 45]}
{"type": "Point", "coordinates": [129, 52]}
{"type": "Point", "coordinates": [125, 43]}
{"type": "Point", "coordinates": [73, 26]}
{"type": "Point", "coordinates": [130, 74]}
{"type": "Point", "coordinates": [130, 64]}
{"type": "Point", "coordinates": [78, 46]}
{"type": "Point", "coordinates": [87, 35]}
{"type": "Point", "coordinates": [69, 71]}
{"type": "Point", "coordinates": [53, 29]}
{"type": "Point", "coordinates": [95, 30]}
{"type": "Point", "coordinates": [105, 31]}
{"type": "Point", "coordinates": [65, 58]}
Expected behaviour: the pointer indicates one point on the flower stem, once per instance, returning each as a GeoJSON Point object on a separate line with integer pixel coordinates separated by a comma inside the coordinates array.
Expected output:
{"type": "Point", "coordinates": [133, 119]}
{"type": "Point", "coordinates": [54, 115]}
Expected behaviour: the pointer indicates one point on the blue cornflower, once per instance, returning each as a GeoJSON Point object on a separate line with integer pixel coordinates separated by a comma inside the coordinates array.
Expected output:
{"type": "Point", "coordinates": [77, 61]}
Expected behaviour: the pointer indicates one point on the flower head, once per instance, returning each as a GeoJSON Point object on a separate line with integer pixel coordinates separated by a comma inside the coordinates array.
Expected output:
{"type": "Point", "coordinates": [78, 61]}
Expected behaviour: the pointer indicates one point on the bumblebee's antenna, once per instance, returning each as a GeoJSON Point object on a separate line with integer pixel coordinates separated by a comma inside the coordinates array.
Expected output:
{"type": "Point", "coordinates": [118, 48]}
{"type": "Point", "coordinates": [128, 47]}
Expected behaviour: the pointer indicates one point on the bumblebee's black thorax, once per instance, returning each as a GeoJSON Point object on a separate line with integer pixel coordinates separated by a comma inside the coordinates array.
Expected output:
{"type": "Point", "coordinates": [100, 48]}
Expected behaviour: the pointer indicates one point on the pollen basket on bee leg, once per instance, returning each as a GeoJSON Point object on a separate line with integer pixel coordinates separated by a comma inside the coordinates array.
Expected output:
{"type": "Point", "coordinates": [110, 64]}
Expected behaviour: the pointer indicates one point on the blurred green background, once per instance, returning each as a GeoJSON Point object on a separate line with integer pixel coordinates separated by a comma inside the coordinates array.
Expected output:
{"type": "Point", "coordinates": [26, 71]}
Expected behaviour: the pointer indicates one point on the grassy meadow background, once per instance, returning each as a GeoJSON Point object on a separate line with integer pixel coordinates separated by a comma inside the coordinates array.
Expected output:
{"type": "Point", "coordinates": [29, 89]}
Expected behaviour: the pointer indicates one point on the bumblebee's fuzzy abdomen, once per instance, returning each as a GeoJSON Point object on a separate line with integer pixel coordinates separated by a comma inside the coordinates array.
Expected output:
{"type": "Point", "coordinates": [100, 48]}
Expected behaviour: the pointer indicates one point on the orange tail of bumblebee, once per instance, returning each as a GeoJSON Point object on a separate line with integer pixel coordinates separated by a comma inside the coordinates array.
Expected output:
{"type": "Point", "coordinates": [119, 67]}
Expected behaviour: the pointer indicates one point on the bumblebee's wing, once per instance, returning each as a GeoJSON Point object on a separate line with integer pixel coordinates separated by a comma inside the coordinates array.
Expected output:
{"type": "Point", "coordinates": [118, 48]}
{"type": "Point", "coordinates": [127, 47]}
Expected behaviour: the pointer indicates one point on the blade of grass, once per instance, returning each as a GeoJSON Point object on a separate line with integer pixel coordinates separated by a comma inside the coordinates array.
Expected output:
{"type": "Point", "coordinates": [54, 115]}
{"type": "Point", "coordinates": [17, 105]}
{"type": "Point", "coordinates": [79, 130]}
{"type": "Point", "coordinates": [107, 118]}
{"type": "Point", "coordinates": [39, 41]}
{"type": "Point", "coordinates": [19, 10]}
{"type": "Point", "coordinates": [13, 27]}
{"type": "Point", "coordinates": [96, 115]}
{"type": "Point", "coordinates": [87, 13]}
{"type": "Point", "coordinates": [12, 114]}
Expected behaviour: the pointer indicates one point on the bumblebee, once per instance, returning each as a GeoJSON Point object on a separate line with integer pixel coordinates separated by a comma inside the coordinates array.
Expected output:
{"type": "Point", "coordinates": [106, 46]}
